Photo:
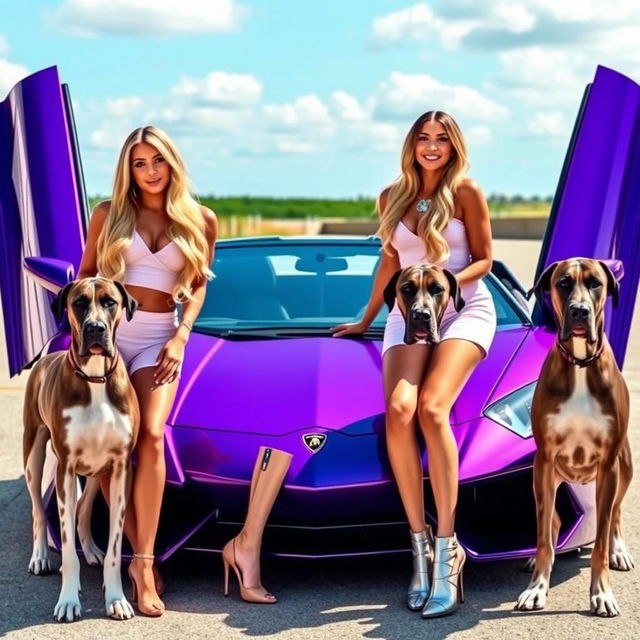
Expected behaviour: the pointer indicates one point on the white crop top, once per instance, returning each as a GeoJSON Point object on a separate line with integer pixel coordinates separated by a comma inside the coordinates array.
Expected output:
{"type": "Point", "coordinates": [411, 248]}
{"type": "Point", "coordinates": [158, 270]}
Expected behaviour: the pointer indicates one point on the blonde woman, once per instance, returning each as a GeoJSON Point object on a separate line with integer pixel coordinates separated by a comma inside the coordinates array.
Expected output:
{"type": "Point", "coordinates": [432, 214]}
{"type": "Point", "coordinates": [159, 241]}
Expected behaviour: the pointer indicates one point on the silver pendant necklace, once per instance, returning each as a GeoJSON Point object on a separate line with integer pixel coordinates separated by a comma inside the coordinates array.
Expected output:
{"type": "Point", "coordinates": [423, 205]}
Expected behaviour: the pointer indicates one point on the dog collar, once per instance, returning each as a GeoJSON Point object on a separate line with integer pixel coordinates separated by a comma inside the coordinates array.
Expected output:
{"type": "Point", "coordinates": [95, 379]}
{"type": "Point", "coordinates": [581, 362]}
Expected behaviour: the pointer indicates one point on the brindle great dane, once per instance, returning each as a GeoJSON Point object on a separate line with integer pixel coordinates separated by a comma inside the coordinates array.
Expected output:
{"type": "Point", "coordinates": [579, 416]}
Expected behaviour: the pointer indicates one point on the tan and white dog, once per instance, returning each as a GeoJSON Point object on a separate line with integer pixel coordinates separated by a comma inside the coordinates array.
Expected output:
{"type": "Point", "coordinates": [83, 401]}
{"type": "Point", "coordinates": [423, 292]}
{"type": "Point", "coordinates": [579, 416]}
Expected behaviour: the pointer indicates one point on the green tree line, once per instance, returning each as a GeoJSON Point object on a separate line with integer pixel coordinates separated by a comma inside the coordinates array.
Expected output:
{"type": "Point", "coordinates": [301, 208]}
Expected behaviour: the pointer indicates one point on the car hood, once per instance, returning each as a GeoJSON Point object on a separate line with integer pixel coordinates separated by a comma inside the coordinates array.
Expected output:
{"type": "Point", "coordinates": [279, 386]}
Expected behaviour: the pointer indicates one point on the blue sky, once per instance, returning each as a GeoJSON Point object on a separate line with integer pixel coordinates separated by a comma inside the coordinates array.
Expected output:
{"type": "Point", "coordinates": [313, 98]}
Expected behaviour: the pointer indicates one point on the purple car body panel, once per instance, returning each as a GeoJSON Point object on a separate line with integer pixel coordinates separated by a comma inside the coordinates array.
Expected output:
{"type": "Point", "coordinates": [235, 396]}
{"type": "Point", "coordinates": [220, 380]}
{"type": "Point", "coordinates": [599, 193]}
{"type": "Point", "coordinates": [40, 207]}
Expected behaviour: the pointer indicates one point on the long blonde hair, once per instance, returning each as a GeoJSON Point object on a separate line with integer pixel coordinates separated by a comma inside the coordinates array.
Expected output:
{"type": "Point", "coordinates": [407, 186]}
{"type": "Point", "coordinates": [186, 223]}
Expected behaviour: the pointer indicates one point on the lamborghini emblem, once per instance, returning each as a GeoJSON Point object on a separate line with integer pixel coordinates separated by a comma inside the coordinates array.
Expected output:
{"type": "Point", "coordinates": [314, 441]}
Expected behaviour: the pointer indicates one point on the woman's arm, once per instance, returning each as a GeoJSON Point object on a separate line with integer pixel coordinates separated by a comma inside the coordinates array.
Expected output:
{"type": "Point", "coordinates": [89, 263]}
{"type": "Point", "coordinates": [476, 220]}
{"type": "Point", "coordinates": [172, 354]}
{"type": "Point", "coordinates": [191, 308]}
{"type": "Point", "coordinates": [389, 264]}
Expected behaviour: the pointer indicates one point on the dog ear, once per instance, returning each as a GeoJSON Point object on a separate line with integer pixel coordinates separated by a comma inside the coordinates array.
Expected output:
{"type": "Point", "coordinates": [543, 284]}
{"type": "Point", "coordinates": [129, 302]}
{"type": "Point", "coordinates": [454, 291]}
{"type": "Point", "coordinates": [59, 303]}
{"type": "Point", "coordinates": [390, 290]}
{"type": "Point", "coordinates": [613, 286]}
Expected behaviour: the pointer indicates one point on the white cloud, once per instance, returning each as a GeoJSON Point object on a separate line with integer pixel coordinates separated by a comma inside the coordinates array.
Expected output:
{"type": "Point", "coordinates": [505, 24]}
{"type": "Point", "coordinates": [109, 136]}
{"type": "Point", "coordinates": [548, 124]}
{"type": "Point", "coordinates": [405, 95]}
{"type": "Point", "coordinates": [125, 106]}
{"type": "Point", "coordinates": [412, 23]}
{"type": "Point", "coordinates": [10, 74]}
{"type": "Point", "coordinates": [296, 146]}
{"type": "Point", "coordinates": [220, 89]}
{"type": "Point", "coordinates": [346, 107]}
{"type": "Point", "coordinates": [4, 45]}
{"type": "Point", "coordinates": [144, 18]}
{"type": "Point", "coordinates": [223, 114]}
{"type": "Point", "coordinates": [306, 114]}
{"type": "Point", "coordinates": [542, 76]}
{"type": "Point", "coordinates": [513, 16]}
{"type": "Point", "coordinates": [418, 23]}
{"type": "Point", "coordinates": [421, 23]}
{"type": "Point", "coordinates": [589, 10]}
{"type": "Point", "coordinates": [479, 135]}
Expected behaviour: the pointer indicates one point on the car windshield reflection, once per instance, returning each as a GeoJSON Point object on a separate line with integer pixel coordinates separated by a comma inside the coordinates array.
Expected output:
{"type": "Point", "coordinates": [297, 289]}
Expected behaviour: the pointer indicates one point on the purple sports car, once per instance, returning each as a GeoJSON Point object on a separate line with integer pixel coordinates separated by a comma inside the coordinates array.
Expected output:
{"type": "Point", "coordinates": [262, 369]}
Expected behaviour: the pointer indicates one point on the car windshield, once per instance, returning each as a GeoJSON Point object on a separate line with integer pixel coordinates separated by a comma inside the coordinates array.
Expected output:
{"type": "Point", "coordinates": [297, 287]}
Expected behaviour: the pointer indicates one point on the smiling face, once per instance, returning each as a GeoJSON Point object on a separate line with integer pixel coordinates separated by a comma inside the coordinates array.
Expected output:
{"type": "Point", "coordinates": [149, 170]}
{"type": "Point", "coordinates": [433, 147]}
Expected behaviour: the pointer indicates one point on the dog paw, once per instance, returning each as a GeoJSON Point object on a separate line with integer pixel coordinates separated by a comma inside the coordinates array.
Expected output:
{"type": "Point", "coordinates": [40, 563]}
{"type": "Point", "coordinates": [604, 604]}
{"type": "Point", "coordinates": [119, 608]}
{"type": "Point", "coordinates": [93, 555]}
{"type": "Point", "coordinates": [529, 565]}
{"type": "Point", "coordinates": [67, 609]}
{"type": "Point", "coordinates": [533, 597]}
{"type": "Point", "coordinates": [619, 556]}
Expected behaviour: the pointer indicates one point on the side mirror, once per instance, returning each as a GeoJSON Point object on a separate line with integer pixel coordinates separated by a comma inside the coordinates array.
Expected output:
{"type": "Point", "coordinates": [51, 273]}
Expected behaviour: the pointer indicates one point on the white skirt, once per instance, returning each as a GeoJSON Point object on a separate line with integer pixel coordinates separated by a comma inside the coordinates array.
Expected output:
{"type": "Point", "coordinates": [476, 322]}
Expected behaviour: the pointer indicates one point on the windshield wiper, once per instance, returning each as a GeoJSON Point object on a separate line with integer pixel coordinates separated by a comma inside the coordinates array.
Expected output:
{"type": "Point", "coordinates": [267, 333]}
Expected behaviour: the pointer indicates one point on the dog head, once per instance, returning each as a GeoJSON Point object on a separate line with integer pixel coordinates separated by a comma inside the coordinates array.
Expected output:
{"type": "Point", "coordinates": [94, 307]}
{"type": "Point", "coordinates": [423, 292]}
{"type": "Point", "coordinates": [579, 288]}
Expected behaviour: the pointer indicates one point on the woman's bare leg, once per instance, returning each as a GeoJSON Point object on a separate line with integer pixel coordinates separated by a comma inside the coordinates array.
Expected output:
{"type": "Point", "coordinates": [403, 367]}
{"type": "Point", "coordinates": [450, 366]}
{"type": "Point", "coordinates": [149, 479]}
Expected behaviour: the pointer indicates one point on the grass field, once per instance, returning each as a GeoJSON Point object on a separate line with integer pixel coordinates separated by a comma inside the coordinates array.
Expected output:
{"type": "Point", "coordinates": [248, 216]}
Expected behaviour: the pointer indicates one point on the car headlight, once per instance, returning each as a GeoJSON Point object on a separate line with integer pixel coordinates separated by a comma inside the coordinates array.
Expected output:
{"type": "Point", "coordinates": [514, 411]}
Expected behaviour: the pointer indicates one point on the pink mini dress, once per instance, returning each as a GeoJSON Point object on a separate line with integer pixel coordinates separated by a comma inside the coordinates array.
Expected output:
{"type": "Point", "coordinates": [476, 322]}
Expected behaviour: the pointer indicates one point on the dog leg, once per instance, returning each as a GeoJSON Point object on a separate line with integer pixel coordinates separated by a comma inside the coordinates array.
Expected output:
{"type": "Point", "coordinates": [92, 553]}
{"type": "Point", "coordinates": [40, 562]}
{"type": "Point", "coordinates": [530, 564]}
{"type": "Point", "coordinates": [545, 486]}
{"type": "Point", "coordinates": [115, 602]}
{"type": "Point", "coordinates": [619, 556]}
{"type": "Point", "coordinates": [603, 603]}
{"type": "Point", "coordinates": [68, 607]}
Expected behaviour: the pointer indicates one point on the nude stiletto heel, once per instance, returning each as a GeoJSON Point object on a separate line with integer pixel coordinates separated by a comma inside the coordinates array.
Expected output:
{"type": "Point", "coordinates": [269, 471]}
{"type": "Point", "coordinates": [153, 612]}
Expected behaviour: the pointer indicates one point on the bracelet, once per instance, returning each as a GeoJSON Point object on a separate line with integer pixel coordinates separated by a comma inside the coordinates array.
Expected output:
{"type": "Point", "coordinates": [187, 324]}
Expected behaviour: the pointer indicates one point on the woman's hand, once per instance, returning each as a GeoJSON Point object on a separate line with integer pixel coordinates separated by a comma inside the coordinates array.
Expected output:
{"type": "Point", "coordinates": [349, 328]}
{"type": "Point", "coordinates": [170, 361]}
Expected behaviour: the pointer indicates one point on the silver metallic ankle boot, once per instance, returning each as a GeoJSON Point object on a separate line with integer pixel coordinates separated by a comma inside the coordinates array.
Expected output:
{"type": "Point", "coordinates": [422, 548]}
{"type": "Point", "coordinates": [446, 589]}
